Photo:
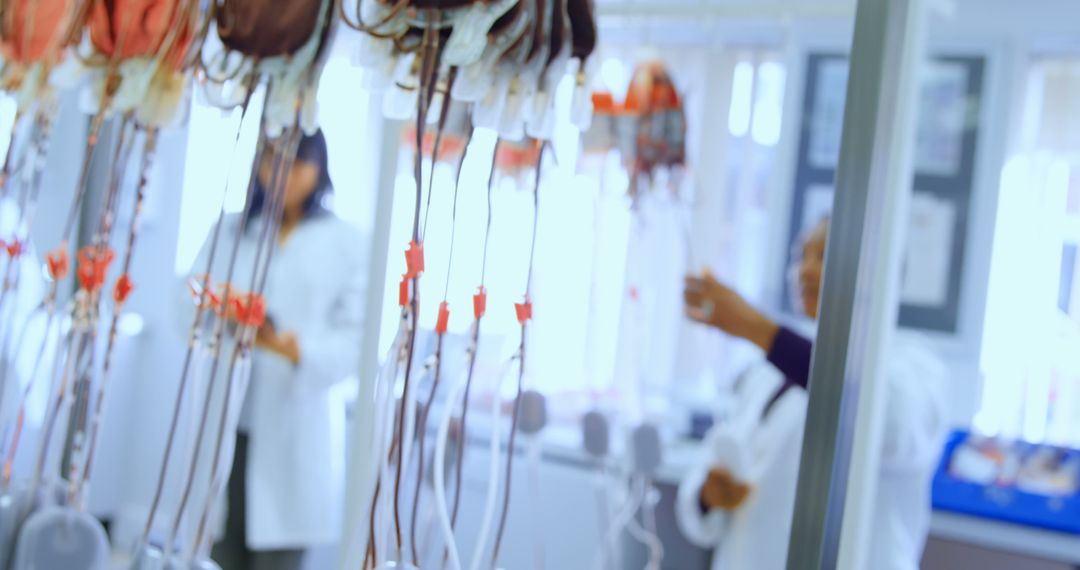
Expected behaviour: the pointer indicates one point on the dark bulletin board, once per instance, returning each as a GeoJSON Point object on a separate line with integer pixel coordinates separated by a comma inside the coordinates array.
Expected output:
{"type": "Point", "coordinates": [950, 100]}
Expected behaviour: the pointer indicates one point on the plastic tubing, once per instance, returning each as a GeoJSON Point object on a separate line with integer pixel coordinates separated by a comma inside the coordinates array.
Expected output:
{"type": "Point", "coordinates": [648, 536]}
{"type": "Point", "coordinates": [387, 542]}
{"type": "Point", "coordinates": [493, 480]}
{"type": "Point", "coordinates": [384, 437]}
{"type": "Point", "coordinates": [380, 426]}
{"type": "Point", "coordinates": [603, 503]}
{"type": "Point", "coordinates": [441, 509]}
{"type": "Point", "coordinates": [617, 525]}
{"type": "Point", "coordinates": [532, 451]}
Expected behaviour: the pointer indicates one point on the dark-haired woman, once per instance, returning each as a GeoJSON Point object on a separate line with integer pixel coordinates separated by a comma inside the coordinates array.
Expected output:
{"type": "Point", "coordinates": [741, 497]}
{"type": "Point", "coordinates": [287, 480]}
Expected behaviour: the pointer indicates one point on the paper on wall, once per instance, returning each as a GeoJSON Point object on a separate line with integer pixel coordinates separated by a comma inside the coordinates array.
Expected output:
{"type": "Point", "coordinates": [928, 258]}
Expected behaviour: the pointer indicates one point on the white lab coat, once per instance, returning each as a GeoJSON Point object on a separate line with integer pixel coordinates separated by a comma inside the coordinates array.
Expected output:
{"type": "Point", "coordinates": [766, 455]}
{"type": "Point", "coordinates": [296, 450]}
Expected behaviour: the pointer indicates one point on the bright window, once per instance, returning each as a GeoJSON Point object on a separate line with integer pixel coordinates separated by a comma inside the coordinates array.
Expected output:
{"type": "Point", "coordinates": [211, 159]}
{"type": "Point", "coordinates": [1029, 354]}
{"type": "Point", "coordinates": [609, 326]}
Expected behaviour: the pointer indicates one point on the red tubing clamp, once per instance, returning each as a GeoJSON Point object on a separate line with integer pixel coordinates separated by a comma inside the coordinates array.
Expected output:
{"type": "Point", "coordinates": [444, 318]}
{"type": "Point", "coordinates": [414, 260]}
{"type": "Point", "coordinates": [59, 263]}
{"type": "Point", "coordinates": [123, 289]}
{"type": "Point", "coordinates": [524, 311]}
{"type": "Point", "coordinates": [93, 267]}
{"type": "Point", "coordinates": [14, 248]}
{"type": "Point", "coordinates": [250, 310]}
{"type": "Point", "coordinates": [403, 291]}
{"type": "Point", "coordinates": [479, 303]}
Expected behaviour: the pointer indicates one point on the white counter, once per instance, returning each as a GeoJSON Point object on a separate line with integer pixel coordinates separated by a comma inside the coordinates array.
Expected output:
{"type": "Point", "coordinates": [564, 445]}
{"type": "Point", "coordinates": [1006, 537]}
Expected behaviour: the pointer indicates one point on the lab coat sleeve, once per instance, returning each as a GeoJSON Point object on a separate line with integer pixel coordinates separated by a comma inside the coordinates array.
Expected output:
{"type": "Point", "coordinates": [790, 354]}
{"type": "Point", "coordinates": [915, 423]}
{"type": "Point", "coordinates": [705, 529]}
{"type": "Point", "coordinates": [330, 351]}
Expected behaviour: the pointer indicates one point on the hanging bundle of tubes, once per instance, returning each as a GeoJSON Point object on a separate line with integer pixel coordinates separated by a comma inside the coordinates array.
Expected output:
{"type": "Point", "coordinates": [449, 67]}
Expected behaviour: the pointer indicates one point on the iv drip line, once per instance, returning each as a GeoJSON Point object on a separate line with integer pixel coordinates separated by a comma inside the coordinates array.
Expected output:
{"type": "Point", "coordinates": [524, 316]}
{"type": "Point", "coordinates": [197, 323]}
{"type": "Point", "coordinates": [215, 345]}
{"type": "Point", "coordinates": [119, 297]}
{"type": "Point", "coordinates": [479, 302]}
{"type": "Point", "coordinates": [279, 184]}
{"type": "Point", "coordinates": [429, 49]}
{"type": "Point", "coordinates": [440, 330]}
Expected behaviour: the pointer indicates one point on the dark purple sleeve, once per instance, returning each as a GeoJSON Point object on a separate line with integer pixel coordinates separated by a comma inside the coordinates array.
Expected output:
{"type": "Point", "coordinates": [790, 353]}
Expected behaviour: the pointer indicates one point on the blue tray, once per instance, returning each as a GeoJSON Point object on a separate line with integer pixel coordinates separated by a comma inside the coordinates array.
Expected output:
{"type": "Point", "coordinates": [1004, 503]}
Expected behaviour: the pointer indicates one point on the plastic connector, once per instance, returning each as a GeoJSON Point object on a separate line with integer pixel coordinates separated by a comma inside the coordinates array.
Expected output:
{"type": "Point", "coordinates": [250, 309]}
{"type": "Point", "coordinates": [13, 248]}
{"type": "Point", "coordinates": [480, 303]}
{"type": "Point", "coordinates": [94, 265]}
{"type": "Point", "coordinates": [469, 38]}
{"type": "Point", "coordinates": [524, 311]}
{"type": "Point", "coordinates": [581, 106]}
{"type": "Point", "coordinates": [414, 260]}
{"type": "Point", "coordinates": [403, 291]}
{"type": "Point", "coordinates": [443, 321]}
{"type": "Point", "coordinates": [59, 262]}
{"type": "Point", "coordinates": [123, 288]}
{"type": "Point", "coordinates": [512, 118]}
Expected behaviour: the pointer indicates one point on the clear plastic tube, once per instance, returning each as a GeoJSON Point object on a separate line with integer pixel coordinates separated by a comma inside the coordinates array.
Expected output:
{"type": "Point", "coordinates": [399, 102]}
{"type": "Point", "coordinates": [383, 438]}
{"type": "Point", "coordinates": [69, 364]}
{"type": "Point", "coordinates": [512, 117]}
{"type": "Point", "coordinates": [377, 406]}
{"type": "Point", "coordinates": [581, 107]}
{"type": "Point", "coordinates": [491, 501]}
{"type": "Point", "coordinates": [408, 437]}
{"type": "Point", "coordinates": [647, 535]}
{"type": "Point", "coordinates": [389, 543]}
{"type": "Point", "coordinates": [201, 339]}
{"type": "Point", "coordinates": [619, 523]}
{"type": "Point", "coordinates": [441, 509]}
{"type": "Point", "coordinates": [372, 52]}
{"type": "Point", "coordinates": [604, 511]}
{"type": "Point", "coordinates": [533, 459]}
{"type": "Point", "coordinates": [51, 329]}
{"type": "Point", "coordinates": [230, 417]}
{"type": "Point", "coordinates": [488, 110]}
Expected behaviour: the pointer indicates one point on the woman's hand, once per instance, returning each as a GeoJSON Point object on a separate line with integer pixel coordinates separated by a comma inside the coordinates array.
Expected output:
{"type": "Point", "coordinates": [285, 345]}
{"type": "Point", "coordinates": [712, 303]}
{"type": "Point", "coordinates": [723, 491]}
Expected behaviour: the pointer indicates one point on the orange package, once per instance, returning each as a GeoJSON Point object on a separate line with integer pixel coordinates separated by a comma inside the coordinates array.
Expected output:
{"type": "Point", "coordinates": [127, 29]}
{"type": "Point", "coordinates": [34, 31]}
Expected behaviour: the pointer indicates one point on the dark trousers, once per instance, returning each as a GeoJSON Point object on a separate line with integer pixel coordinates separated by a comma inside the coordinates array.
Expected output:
{"type": "Point", "coordinates": [232, 552]}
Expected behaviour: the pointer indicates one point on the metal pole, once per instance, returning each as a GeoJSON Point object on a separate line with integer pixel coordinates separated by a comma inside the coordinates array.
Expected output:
{"type": "Point", "coordinates": [840, 458]}
{"type": "Point", "coordinates": [360, 482]}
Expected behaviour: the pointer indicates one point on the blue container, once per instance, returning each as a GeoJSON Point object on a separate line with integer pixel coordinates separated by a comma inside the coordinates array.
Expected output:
{"type": "Point", "coordinates": [1006, 503]}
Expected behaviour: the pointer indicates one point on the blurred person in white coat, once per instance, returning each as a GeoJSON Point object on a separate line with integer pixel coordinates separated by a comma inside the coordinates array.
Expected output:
{"type": "Point", "coordinates": [287, 480]}
{"type": "Point", "coordinates": [741, 498]}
